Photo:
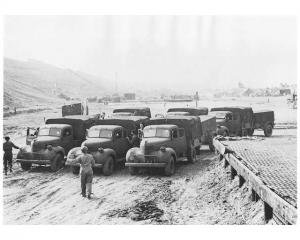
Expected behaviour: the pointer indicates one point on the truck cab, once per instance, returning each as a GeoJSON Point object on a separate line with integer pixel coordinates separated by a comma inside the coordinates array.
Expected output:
{"type": "Point", "coordinates": [54, 140]}
{"type": "Point", "coordinates": [108, 142]}
{"type": "Point", "coordinates": [164, 142]}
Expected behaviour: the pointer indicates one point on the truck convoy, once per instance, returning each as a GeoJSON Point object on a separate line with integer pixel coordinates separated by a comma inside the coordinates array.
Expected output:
{"type": "Point", "coordinates": [165, 141]}
{"type": "Point", "coordinates": [54, 140]}
{"type": "Point", "coordinates": [243, 121]}
{"type": "Point", "coordinates": [108, 142]}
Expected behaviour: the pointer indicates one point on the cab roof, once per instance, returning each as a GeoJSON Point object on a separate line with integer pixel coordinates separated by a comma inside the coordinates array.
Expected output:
{"type": "Point", "coordinates": [61, 126]}
{"type": "Point", "coordinates": [167, 126]}
{"type": "Point", "coordinates": [109, 127]}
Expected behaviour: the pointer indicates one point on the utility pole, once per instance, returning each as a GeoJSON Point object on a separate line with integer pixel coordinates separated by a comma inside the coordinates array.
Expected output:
{"type": "Point", "coordinates": [196, 99]}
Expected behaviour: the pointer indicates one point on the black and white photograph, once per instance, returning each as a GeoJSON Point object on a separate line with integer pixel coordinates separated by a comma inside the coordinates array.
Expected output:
{"type": "Point", "coordinates": [149, 119]}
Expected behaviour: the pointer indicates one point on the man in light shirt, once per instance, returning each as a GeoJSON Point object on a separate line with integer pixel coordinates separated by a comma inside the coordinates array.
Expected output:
{"type": "Point", "coordinates": [87, 163]}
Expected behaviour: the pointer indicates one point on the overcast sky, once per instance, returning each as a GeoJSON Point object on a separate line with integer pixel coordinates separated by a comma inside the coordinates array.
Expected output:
{"type": "Point", "coordinates": [178, 52]}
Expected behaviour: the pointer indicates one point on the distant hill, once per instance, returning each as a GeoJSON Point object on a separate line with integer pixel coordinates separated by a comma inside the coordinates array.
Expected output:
{"type": "Point", "coordinates": [32, 82]}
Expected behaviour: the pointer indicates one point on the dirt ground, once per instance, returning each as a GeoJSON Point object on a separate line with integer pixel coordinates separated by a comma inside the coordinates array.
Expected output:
{"type": "Point", "coordinates": [199, 193]}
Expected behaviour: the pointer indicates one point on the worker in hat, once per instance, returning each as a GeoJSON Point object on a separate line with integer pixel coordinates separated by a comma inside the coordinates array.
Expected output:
{"type": "Point", "coordinates": [87, 163]}
{"type": "Point", "coordinates": [8, 155]}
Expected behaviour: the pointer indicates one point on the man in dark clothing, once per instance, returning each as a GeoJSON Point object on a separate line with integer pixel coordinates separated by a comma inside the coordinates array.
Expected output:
{"type": "Point", "coordinates": [135, 141]}
{"type": "Point", "coordinates": [7, 157]}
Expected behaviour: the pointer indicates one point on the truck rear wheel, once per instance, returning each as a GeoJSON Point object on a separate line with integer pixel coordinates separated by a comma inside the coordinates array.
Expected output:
{"type": "Point", "coordinates": [250, 131]}
{"type": "Point", "coordinates": [170, 167]}
{"type": "Point", "coordinates": [191, 155]}
{"type": "Point", "coordinates": [108, 167]}
{"type": "Point", "coordinates": [57, 162]}
{"type": "Point", "coordinates": [133, 170]}
{"type": "Point", "coordinates": [268, 130]}
{"type": "Point", "coordinates": [26, 166]}
{"type": "Point", "coordinates": [75, 170]}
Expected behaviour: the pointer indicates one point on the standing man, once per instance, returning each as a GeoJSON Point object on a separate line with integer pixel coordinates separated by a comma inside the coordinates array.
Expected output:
{"type": "Point", "coordinates": [7, 158]}
{"type": "Point", "coordinates": [86, 162]}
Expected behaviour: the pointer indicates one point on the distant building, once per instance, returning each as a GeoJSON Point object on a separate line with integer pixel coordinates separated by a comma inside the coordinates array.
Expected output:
{"type": "Point", "coordinates": [285, 91]}
{"type": "Point", "coordinates": [129, 96]}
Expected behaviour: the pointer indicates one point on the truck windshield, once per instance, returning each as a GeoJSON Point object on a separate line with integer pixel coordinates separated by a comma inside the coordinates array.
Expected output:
{"type": "Point", "coordinates": [50, 132]}
{"type": "Point", "coordinates": [99, 133]}
{"type": "Point", "coordinates": [156, 132]}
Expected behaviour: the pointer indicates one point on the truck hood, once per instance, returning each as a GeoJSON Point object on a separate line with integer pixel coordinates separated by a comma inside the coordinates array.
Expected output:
{"type": "Point", "coordinates": [154, 144]}
{"type": "Point", "coordinates": [95, 143]}
{"type": "Point", "coordinates": [40, 142]}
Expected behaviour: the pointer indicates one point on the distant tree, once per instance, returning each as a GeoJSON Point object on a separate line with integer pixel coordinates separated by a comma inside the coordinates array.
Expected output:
{"type": "Point", "coordinates": [241, 85]}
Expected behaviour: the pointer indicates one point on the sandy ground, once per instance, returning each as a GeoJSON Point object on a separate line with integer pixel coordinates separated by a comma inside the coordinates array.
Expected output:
{"type": "Point", "coordinates": [200, 193]}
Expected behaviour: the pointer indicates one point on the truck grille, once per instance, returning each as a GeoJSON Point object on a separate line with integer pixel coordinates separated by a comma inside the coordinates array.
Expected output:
{"type": "Point", "coordinates": [151, 159]}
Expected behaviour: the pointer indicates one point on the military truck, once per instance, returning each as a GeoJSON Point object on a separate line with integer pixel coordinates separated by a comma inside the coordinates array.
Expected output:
{"type": "Point", "coordinates": [243, 121]}
{"type": "Point", "coordinates": [138, 111]}
{"type": "Point", "coordinates": [54, 140]}
{"type": "Point", "coordinates": [108, 142]}
{"type": "Point", "coordinates": [165, 141]}
{"type": "Point", "coordinates": [208, 123]}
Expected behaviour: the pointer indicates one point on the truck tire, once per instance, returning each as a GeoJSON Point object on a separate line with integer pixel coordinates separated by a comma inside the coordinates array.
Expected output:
{"type": "Point", "coordinates": [191, 155]}
{"type": "Point", "coordinates": [57, 162]}
{"type": "Point", "coordinates": [75, 170]}
{"type": "Point", "coordinates": [268, 130]}
{"type": "Point", "coordinates": [25, 166]}
{"type": "Point", "coordinates": [250, 131]}
{"type": "Point", "coordinates": [170, 167]}
{"type": "Point", "coordinates": [133, 170]}
{"type": "Point", "coordinates": [108, 166]}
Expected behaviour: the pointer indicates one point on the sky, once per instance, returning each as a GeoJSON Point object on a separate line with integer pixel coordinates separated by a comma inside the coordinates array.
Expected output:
{"type": "Point", "coordinates": [152, 52]}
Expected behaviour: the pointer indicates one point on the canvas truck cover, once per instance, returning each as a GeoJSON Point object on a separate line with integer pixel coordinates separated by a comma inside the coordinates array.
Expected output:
{"type": "Point", "coordinates": [191, 124]}
{"type": "Point", "coordinates": [138, 111]}
{"type": "Point", "coordinates": [78, 123]}
{"type": "Point", "coordinates": [129, 123]}
{"type": "Point", "coordinates": [192, 111]}
{"type": "Point", "coordinates": [72, 109]}
{"type": "Point", "coordinates": [262, 117]}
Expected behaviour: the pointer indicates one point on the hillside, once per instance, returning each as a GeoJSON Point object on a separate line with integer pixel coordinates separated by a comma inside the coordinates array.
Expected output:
{"type": "Point", "coordinates": [33, 82]}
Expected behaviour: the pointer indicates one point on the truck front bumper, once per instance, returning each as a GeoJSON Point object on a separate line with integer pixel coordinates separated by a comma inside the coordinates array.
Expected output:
{"type": "Point", "coordinates": [34, 161]}
{"type": "Point", "coordinates": [97, 165]}
{"type": "Point", "coordinates": [147, 165]}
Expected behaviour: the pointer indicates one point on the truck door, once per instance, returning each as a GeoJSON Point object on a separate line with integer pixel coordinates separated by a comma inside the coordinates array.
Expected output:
{"type": "Point", "coordinates": [67, 139]}
{"type": "Point", "coordinates": [176, 143]}
{"type": "Point", "coordinates": [182, 140]}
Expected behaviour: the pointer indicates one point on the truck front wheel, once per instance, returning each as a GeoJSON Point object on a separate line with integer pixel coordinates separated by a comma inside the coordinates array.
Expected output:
{"type": "Point", "coordinates": [57, 162]}
{"type": "Point", "coordinates": [133, 170]}
{"type": "Point", "coordinates": [75, 170]}
{"type": "Point", "coordinates": [25, 166]}
{"type": "Point", "coordinates": [108, 167]}
{"type": "Point", "coordinates": [170, 167]}
{"type": "Point", "coordinates": [268, 130]}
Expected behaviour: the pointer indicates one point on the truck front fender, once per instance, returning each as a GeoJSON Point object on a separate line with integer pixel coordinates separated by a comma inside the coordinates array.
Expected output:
{"type": "Point", "coordinates": [165, 156]}
{"type": "Point", "coordinates": [60, 150]}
